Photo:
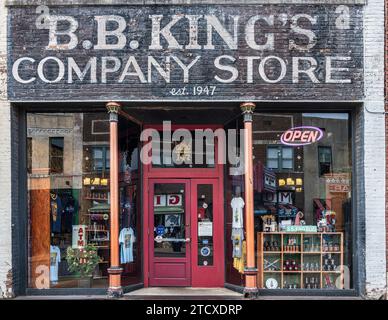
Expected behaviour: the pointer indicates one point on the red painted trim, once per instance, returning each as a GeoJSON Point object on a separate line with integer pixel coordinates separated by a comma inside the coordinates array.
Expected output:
{"type": "Point", "coordinates": [145, 228]}
{"type": "Point", "coordinates": [209, 276]}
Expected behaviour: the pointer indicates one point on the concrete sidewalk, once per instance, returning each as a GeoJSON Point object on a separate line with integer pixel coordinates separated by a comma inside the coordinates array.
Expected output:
{"type": "Point", "coordinates": [179, 293]}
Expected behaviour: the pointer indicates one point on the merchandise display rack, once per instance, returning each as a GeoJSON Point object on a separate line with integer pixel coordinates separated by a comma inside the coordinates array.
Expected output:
{"type": "Point", "coordinates": [300, 260]}
{"type": "Point", "coordinates": [98, 227]}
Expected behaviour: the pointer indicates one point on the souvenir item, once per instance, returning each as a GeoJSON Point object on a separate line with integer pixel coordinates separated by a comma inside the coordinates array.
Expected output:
{"type": "Point", "coordinates": [271, 283]}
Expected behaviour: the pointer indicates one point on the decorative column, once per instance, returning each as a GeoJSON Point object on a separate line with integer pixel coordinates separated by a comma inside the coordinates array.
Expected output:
{"type": "Point", "coordinates": [115, 290]}
{"type": "Point", "coordinates": [250, 271]}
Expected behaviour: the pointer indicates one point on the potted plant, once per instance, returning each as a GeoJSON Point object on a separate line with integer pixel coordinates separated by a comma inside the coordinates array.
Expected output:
{"type": "Point", "coordinates": [83, 261]}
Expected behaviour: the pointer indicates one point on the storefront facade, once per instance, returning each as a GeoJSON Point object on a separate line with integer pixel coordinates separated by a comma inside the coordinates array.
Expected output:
{"type": "Point", "coordinates": [201, 145]}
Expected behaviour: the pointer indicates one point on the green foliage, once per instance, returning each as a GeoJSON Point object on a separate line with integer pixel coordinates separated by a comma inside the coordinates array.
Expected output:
{"type": "Point", "coordinates": [82, 261]}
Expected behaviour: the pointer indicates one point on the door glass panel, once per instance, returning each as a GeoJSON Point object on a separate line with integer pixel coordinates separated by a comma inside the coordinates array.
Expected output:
{"type": "Point", "coordinates": [169, 220]}
{"type": "Point", "coordinates": [205, 224]}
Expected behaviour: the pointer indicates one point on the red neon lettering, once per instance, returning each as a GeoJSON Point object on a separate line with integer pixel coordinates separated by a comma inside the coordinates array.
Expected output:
{"type": "Point", "coordinates": [305, 136]}
{"type": "Point", "coordinates": [313, 136]}
{"type": "Point", "coordinates": [297, 135]}
{"type": "Point", "coordinates": [288, 135]}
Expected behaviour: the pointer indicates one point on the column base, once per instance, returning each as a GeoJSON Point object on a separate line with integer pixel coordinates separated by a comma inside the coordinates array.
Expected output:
{"type": "Point", "coordinates": [250, 293]}
{"type": "Point", "coordinates": [115, 290]}
{"type": "Point", "coordinates": [115, 293]}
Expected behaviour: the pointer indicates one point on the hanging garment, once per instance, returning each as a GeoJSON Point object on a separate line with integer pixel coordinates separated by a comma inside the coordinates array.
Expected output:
{"type": "Point", "coordinates": [69, 211]}
{"type": "Point", "coordinates": [55, 258]}
{"type": "Point", "coordinates": [126, 240]}
{"type": "Point", "coordinates": [239, 263]}
{"type": "Point", "coordinates": [237, 205]}
{"type": "Point", "coordinates": [56, 213]}
{"type": "Point", "coordinates": [237, 239]}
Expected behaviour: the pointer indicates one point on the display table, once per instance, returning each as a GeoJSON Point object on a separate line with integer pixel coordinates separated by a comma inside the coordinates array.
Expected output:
{"type": "Point", "coordinates": [300, 260]}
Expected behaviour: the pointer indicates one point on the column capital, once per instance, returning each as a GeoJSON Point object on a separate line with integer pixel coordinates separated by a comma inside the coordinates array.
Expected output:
{"type": "Point", "coordinates": [247, 109]}
{"type": "Point", "coordinates": [113, 110]}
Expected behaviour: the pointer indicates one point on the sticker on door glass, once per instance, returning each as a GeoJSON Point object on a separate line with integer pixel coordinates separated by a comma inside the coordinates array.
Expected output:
{"type": "Point", "coordinates": [205, 229]}
{"type": "Point", "coordinates": [205, 251]}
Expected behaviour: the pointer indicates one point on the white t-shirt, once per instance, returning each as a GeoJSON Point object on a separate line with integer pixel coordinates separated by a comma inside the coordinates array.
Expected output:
{"type": "Point", "coordinates": [237, 205]}
{"type": "Point", "coordinates": [126, 240]}
{"type": "Point", "coordinates": [55, 258]}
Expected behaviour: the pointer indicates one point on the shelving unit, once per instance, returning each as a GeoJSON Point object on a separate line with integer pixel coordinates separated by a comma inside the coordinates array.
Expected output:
{"type": "Point", "coordinates": [300, 260]}
{"type": "Point", "coordinates": [97, 220]}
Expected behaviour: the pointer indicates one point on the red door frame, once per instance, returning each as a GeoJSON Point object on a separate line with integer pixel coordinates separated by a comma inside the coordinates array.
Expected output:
{"type": "Point", "coordinates": [172, 263]}
{"type": "Point", "coordinates": [178, 173]}
{"type": "Point", "coordinates": [214, 275]}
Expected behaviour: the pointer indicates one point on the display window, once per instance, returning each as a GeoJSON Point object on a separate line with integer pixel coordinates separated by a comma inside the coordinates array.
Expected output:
{"type": "Point", "coordinates": [69, 200]}
{"type": "Point", "coordinates": [302, 181]}
{"type": "Point", "coordinates": [303, 220]}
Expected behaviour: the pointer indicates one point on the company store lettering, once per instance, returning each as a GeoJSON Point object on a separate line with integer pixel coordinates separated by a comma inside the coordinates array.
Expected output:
{"type": "Point", "coordinates": [245, 48]}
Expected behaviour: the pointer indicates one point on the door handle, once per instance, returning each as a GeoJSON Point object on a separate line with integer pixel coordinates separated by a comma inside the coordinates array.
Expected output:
{"type": "Point", "coordinates": [159, 240]}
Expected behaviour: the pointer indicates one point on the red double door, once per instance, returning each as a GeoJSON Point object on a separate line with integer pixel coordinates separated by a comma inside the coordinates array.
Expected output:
{"type": "Point", "coordinates": [186, 234]}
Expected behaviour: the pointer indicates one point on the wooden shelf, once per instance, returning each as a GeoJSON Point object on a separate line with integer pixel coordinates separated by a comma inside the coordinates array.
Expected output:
{"type": "Point", "coordinates": [301, 256]}
{"type": "Point", "coordinates": [96, 199]}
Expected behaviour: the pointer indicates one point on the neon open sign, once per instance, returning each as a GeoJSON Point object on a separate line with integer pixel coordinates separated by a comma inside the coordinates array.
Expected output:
{"type": "Point", "coordinates": [301, 136]}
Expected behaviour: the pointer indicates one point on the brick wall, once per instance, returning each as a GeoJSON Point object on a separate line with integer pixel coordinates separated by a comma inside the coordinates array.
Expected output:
{"type": "Point", "coordinates": [386, 122]}
{"type": "Point", "coordinates": [374, 150]}
{"type": "Point", "coordinates": [5, 160]}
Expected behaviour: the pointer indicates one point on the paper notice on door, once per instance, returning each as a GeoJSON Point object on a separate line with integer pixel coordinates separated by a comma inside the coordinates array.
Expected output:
{"type": "Point", "coordinates": [205, 229]}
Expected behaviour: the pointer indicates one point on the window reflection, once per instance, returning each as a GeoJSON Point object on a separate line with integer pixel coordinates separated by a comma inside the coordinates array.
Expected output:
{"type": "Point", "coordinates": [169, 220]}
{"type": "Point", "coordinates": [68, 200]}
{"type": "Point", "coordinates": [302, 202]}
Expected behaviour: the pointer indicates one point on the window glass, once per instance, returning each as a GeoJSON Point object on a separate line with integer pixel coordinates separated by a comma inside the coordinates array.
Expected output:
{"type": "Point", "coordinates": [287, 153]}
{"type": "Point", "coordinates": [29, 154]}
{"type": "Point", "coordinates": [234, 269]}
{"type": "Point", "coordinates": [273, 152]}
{"type": "Point", "coordinates": [68, 202]}
{"type": "Point", "coordinates": [302, 201]}
{"type": "Point", "coordinates": [169, 220]}
{"type": "Point", "coordinates": [100, 158]}
{"type": "Point", "coordinates": [56, 154]}
{"type": "Point", "coordinates": [287, 164]}
{"type": "Point", "coordinates": [205, 224]}
{"type": "Point", "coordinates": [325, 160]}
{"type": "Point", "coordinates": [199, 152]}
{"type": "Point", "coordinates": [273, 164]}
{"type": "Point", "coordinates": [129, 215]}
{"type": "Point", "coordinates": [279, 157]}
